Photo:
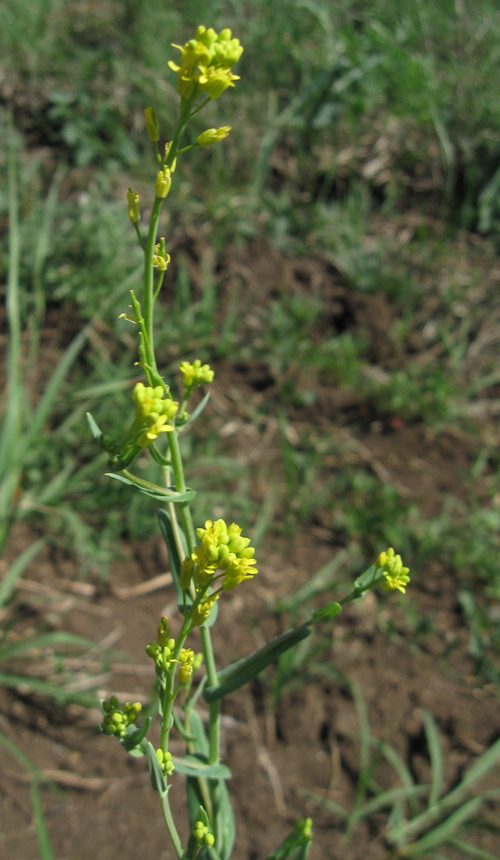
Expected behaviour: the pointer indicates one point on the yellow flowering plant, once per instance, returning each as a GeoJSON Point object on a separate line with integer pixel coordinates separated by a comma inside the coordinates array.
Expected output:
{"type": "Point", "coordinates": [206, 561]}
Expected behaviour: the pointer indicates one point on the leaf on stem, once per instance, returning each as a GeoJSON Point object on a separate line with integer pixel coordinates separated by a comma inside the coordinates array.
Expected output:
{"type": "Point", "coordinates": [197, 765]}
{"type": "Point", "coordinates": [245, 670]}
{"type": "Point", "coordinates": [156, 492]}
{"type": "Point", "coordinates": [94, 427]}
{"type": "Point", "coordinates": [327, 613]}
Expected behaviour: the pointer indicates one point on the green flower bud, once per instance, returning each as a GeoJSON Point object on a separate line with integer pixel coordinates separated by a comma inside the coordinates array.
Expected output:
{"type": "Point", "coordinates": [186, 573]}
{"type": "Point", "coordinates": [134, 212]}
{"type": "Point", "coordinates": [213, 135]}
{"type": "Point", "coordinates": [152, 125]}
{"type": "Point", "coordinates": [163, 183]}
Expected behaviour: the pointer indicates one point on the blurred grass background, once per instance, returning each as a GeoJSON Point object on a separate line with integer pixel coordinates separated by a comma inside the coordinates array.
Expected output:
{"type": "Point", "coordinates": [366, 136]}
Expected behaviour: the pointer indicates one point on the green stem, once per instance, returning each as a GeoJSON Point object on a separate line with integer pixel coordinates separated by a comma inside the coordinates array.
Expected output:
{"type": "Point", "coordinates": [169, 823]}
{"type": "Point", "coordinates": [139, 236]}
{"type": "Point", "coordinates": [149, 283]}
{"type": "Point", "coordinates": [206, 639]}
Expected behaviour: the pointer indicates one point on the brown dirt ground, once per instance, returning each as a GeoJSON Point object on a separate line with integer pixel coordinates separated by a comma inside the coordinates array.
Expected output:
{"type": "Point", "coordinates": [103, 806]}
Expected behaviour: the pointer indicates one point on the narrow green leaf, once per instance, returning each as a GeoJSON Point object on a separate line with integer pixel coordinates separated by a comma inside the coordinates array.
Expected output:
{"type": "Point", "coordinates": [154, 491]}
{"type": "Point", "coordinates": [17, 569]}
{"type": "Point", "coordinates": [387, 799]}
{"type": "Point", "coordinates": [436, 757]}
{"type": "Point", "coordinates": [173, 555]}
{"type": "Point", "coordinates": [327, 613]}
{"type": "Point", "coordinates": [197, 730]}
{"type": "Point", "coordinates": [196, 765]}
{"type": "Point", "coordinates": [480, 768]}
{"type": "Point", "coordinates": [53, 387]}
{"type": "Point", "coordinates": [41, 828]}
{"type": "Point", "coordinates": [442, 833]}
{"type": "Point", "coordinates": [471, 850]}
{"type": "Point", "coordinates": [329, 804]}
{"type": "Point", "coordinates": [225, 822]}
{"type": "Point", "coordinates": [94, 427]}
{"type": "Point", "coordinates": [320, 582]}
{"type": "Point", "coordinates": [47, 640]}
{"type": "Point", "coordinates": [245, 670]}
{"type": "Point", "coordinates": [59, 693]}
{"type": "Point", "coordinates": [363, 582]}
{"type": "Point", "coordinates": [197, 412]}
{"type": "Point", "coordinates": [134, 738]}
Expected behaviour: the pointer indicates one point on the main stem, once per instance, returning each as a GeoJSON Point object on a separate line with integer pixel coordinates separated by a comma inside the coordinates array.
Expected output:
{"type": "Point", "coordinates": [206, 639]}
{"type": "Point", "coordinates": [149, 282]}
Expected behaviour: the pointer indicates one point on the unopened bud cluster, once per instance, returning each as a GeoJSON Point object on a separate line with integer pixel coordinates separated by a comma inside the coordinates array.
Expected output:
{"type": "Point", "coordinates": [222, 548]}
{"type": "Point", "coordinates": [202, 835]}
{"type": "Point", "coordinates": [165, 762]}
{"type": "Point", "coordinates": [153, 411]}
{"type": "Point", "coordinates": [162, 650]}
{"type": "Point", "coordinates": [395, 576]}
{"type": "Point", "coordinates": [186, 661]}
{"type": "Point", "coordinates": [202, 612]}
{"type": "Point", "coordinates": [205, 64]}
{"type": "Point", "coordinates": [195, 375]}
{"type": "Point", "coordinates": [116, 720]}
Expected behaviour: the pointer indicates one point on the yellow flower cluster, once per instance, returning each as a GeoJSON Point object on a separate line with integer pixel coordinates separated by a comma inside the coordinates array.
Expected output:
{"type": "Point", "coordinates": [395, 575]}
{"type": "Point", "coordinates": [115, 721]}
{"type": "Point", "coordinates": [152, 411]}
{"type": "Point", "coordinates": [205, 64]}
{"type": "Point", "coordinates": [223, 548]}
{"type": "Point", "coordinates": [194, 375]}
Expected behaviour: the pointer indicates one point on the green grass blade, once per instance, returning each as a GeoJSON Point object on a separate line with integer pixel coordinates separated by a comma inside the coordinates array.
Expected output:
{"type": "Point", "coordinates": [364, 730]}
{"type": "Point", "coordinates": [41, 827]}
{"type": "Point", "coordinates": [471, 850]}
{"type": "Point", "coordinates": [59, 693]}
{"type": "Point", "coordinates": [49, 640]}
{"type": "Point", "coordinates": [318, 583]}
{"type": "Point", "coordinates": [441, 834]}
{"type": "Point", "coordinates": [436, 757]}
{"type": "Point", "coordinates": [13, 308]}
{"type": "Point", "coordinates": [329, 804]}
{"type": "Point", "coordinates": [479, 769]}
{"type": "Point", "coordinates": [17, 569]}
{"type": "Point", "coordinates": [56, 380]}
{"type": "Point", "coordinates": [387, 799]}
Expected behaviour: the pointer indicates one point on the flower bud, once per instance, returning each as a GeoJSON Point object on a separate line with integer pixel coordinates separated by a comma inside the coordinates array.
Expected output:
{"type": "Point", "coordinates": [134, 212]}
{"type": "Point", "coordinates": [163, 183]}
{"type": "Point", "coordinates": [186, 573]}
{"type": "Point", "coordinates": [152, 125]}
{"type": "Point", "coordinates": [213, 135]}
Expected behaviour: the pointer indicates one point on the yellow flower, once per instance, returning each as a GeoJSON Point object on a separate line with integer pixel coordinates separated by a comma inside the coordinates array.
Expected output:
{"type": "Point", "coordinates": [214, 81]}
{"type": "Point", "coordinates": [395, 576]}
{"type": "Point", "coordinates": [194, 375]}
{"type": "Point", "coordinates": [205, 63]}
